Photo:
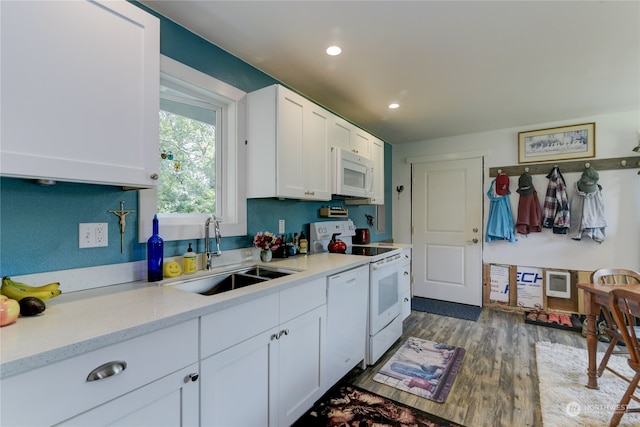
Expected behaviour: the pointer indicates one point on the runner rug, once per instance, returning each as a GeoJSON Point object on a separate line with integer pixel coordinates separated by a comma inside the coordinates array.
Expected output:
{"type": "Point", "coordinates": [348, 405]}
{"type": "Point", "coordinates": [564, 398]}
{"type": "Point", "coordinates": [446, 308]}
{"type": "Point", "coordinates": [422, 367]}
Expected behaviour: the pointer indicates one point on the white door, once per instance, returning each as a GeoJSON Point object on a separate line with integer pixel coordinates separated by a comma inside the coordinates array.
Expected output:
{"type": "Point", "coordinates": [447, 230]}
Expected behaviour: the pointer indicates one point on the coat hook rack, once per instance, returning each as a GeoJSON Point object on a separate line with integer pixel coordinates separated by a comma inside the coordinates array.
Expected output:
{"type": "Point", "coordinates": [632, 162]}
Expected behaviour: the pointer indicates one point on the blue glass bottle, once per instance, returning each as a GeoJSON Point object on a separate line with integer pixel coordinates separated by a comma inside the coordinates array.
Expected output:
{"type": "Point", "coordinates": [155, 246]}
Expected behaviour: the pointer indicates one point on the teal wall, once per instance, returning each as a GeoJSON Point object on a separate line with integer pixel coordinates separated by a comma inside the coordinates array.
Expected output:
{"type": "Point", "coordinates": [39, 225]}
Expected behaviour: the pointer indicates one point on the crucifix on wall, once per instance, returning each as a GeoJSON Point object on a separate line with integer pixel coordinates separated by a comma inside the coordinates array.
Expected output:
{"type": "Point", "coordinates": [122, 213]}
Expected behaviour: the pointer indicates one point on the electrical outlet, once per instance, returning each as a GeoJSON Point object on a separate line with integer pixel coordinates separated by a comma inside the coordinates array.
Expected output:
{"type": "Point", "coordinates": [281, 226]}
{"type": "Point", "coordinates": [93, 235]}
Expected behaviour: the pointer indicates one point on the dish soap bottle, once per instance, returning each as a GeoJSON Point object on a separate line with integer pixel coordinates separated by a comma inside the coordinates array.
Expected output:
{"type": "Point", "coordinates": [189, 261]}
{"type": "Point", "coordinates": [155, 246]}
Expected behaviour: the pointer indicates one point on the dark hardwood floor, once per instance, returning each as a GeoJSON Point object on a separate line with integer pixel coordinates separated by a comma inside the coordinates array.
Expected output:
{"type": "Point", "coordinates": [497, 384]}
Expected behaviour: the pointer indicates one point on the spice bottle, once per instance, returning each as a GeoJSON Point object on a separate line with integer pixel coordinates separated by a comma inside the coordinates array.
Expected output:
{"type": "Point", "coordinates": [303, 243]}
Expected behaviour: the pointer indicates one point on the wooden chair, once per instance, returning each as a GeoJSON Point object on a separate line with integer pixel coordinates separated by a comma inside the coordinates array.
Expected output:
{"type": "Point", "coordinates": [625, 308]}
{"type": "Point", "coordinates": [612, 277]}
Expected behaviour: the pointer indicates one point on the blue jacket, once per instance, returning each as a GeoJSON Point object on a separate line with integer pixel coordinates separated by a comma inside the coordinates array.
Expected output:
{"type": "Point", "coordinates": [500, 223]}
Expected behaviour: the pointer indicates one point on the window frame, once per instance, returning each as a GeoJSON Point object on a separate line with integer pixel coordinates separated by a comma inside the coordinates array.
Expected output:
{"type": "Point", "coordinates": [230, 165]}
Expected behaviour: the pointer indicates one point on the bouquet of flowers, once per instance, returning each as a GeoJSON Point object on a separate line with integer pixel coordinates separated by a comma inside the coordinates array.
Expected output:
{"type": "Point", "coordinates": [266, 241]}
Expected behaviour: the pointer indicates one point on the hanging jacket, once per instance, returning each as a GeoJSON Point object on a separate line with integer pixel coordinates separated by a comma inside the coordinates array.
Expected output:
{"type": "Point", "coordinates": [587, 214]}
{"type": "Point", "coordinates": [500, 222]}
{"type": "Point", "coordinates": [529, 219]}
{"type": "Point", "coordinates": [556, 213]}
{"type": "Point", "coordinates": [529, 214]}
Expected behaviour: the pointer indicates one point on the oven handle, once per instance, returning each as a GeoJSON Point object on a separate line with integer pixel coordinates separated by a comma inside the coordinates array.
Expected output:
{"type": "Point", "coordinates": [383, 265]}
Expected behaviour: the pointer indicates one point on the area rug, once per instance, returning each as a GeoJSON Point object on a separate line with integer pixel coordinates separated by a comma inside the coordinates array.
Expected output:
{"type": "Point", "coordinates": [564, 398]}
{"type": "Point", "coordinates": [446, 308]}
{"type": "Point", "coordinates": [348, 405]}
{"type": "Point", "coordinates": [422, 367]}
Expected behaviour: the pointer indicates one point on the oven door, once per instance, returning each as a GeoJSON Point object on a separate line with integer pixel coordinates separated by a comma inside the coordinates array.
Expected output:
{"type": "Point", "coordinates": [384, 295]}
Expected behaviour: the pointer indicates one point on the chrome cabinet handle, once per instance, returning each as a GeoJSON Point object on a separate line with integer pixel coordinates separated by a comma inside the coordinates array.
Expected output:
{"type": "Point", "coordinates": [154, 176]}
{"type": "Point", "coordinates": [279, 334]}
{"type": "Point", "coordinates": [107, 370]}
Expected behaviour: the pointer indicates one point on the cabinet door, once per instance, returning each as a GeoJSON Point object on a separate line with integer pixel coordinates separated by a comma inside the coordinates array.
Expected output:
{"type": "Point", "coordinates": [317, 153]}
{"type": "Point", "coordinates": [80, 92]}
{"type": "Point", "coordinates": [235, 384]}
{"type": "Point", "coordinates": [341, 133]}
{"type": "Point", "coordinates": [361, 143]}
{"type": "Point", "coordinates": [170, 401]}
{"type": "Point", "coordinates": [300, 365]}
{"type": "Point", "coordinates": [377, 155]}
{"type": "Point", "coordinates": [290, 162]}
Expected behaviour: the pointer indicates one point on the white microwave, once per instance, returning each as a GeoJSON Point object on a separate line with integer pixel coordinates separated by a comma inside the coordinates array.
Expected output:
{"type": "Point", "coordinates": [352, 174]}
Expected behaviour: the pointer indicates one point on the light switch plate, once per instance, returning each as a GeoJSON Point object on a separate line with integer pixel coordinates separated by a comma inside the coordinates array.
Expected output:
{"type": "Point", "coordinates": [93, 235]}
{"type": "Point", "coordinates": [281, 226]}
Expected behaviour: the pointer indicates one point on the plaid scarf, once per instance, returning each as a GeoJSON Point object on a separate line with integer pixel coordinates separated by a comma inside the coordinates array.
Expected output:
{"type": "Point", "coordinates": [555, 212]}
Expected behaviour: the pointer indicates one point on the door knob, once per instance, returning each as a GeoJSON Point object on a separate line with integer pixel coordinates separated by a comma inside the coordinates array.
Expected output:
{"type": "Point", "coordinates": [474, 241]}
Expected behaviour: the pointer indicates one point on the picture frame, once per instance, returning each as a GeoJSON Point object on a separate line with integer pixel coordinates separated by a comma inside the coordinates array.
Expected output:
{"type": "Point", "coordinates": [558, 143]}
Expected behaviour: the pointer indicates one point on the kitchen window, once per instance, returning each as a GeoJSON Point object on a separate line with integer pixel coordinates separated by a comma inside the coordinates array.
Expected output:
{"type": "Point", "coordinates": [201, 156]}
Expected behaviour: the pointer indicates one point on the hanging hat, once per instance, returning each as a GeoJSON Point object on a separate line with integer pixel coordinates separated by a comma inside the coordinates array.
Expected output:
{"type": "Point", "coordinates": [589, 181]}
{"type": "Point", "coordinates": [502, 184]}
{"type": "Point", "coordinates": [525, 184]}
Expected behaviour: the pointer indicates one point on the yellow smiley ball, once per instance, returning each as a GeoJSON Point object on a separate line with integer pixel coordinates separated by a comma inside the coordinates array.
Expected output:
{"type": "Point", "coordinates": [172, 269]}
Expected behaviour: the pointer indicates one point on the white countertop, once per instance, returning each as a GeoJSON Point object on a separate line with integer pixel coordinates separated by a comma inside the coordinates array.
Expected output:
{"type": "Point", "coordinates": [83, 321]}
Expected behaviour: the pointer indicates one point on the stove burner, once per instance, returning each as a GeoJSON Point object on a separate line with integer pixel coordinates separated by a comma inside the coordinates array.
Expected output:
{"type": "Point", "coordinates": [368, 250]}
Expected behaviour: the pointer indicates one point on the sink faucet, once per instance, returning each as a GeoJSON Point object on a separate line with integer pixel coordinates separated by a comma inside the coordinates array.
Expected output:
{"type": "Point", "coordinates": [218, 236]}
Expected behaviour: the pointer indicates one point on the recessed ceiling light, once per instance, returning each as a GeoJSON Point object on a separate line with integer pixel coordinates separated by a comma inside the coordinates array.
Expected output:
{"type": "Point", "coordinates": [334, 50]}
{"type": "Point", "coordinates": [394, 105]}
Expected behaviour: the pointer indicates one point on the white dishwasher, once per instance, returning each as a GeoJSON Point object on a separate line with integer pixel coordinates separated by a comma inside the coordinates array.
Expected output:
{"type": "Point", "coordinates": [347, 303]}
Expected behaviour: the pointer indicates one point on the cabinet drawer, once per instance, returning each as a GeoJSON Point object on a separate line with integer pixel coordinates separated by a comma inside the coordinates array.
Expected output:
{"type": "Point", "coordinates": [225, 328]}
{"type": "Point", "coordinates": [302, 298]}
{"type": "Point", "coordinates": [54, 393]}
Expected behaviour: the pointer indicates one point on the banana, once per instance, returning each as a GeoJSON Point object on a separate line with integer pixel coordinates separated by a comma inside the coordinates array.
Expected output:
{"type": "Point", "coordinates": [6, 280]}
{"type": "Point", "coordinates": [18, 290]}
{"type": "Point", "coordinates": [14, 293]}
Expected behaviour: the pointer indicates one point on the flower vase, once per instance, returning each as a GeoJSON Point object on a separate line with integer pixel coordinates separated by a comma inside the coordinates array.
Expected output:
{"type": "Point", "coordinates": [265, 255]}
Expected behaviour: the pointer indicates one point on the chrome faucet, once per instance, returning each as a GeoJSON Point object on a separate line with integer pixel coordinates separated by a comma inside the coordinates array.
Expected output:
{"type": "Point", "coordinates": [207, 250]}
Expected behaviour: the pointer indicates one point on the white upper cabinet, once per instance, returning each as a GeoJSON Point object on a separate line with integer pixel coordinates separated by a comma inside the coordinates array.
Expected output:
{"type": "Point", "coordinates": [288, 152]}
{"type": "Point", "coordinates": [79, 90]}
{"type": "Point", "coordinates": [346, 135]}
{"type": "Point", "coordinates": [377, 155]}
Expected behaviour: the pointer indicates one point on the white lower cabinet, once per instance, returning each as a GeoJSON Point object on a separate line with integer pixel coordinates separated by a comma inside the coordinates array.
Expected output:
{"type": "Point", "coordinates": [269, 378]}
{"type": "Point", "coordinates": [171, 401]}
{"type": "Point", "coordinates": [145, 375]}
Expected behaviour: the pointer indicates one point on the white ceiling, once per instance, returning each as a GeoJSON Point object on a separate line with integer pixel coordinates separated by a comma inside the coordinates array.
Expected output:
{"type": "Point", "coordinates": [455, 67]}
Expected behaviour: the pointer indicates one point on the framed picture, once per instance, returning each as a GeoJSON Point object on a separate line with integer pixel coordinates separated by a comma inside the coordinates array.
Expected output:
{"type": "Point", "coordinates": [561, 143]}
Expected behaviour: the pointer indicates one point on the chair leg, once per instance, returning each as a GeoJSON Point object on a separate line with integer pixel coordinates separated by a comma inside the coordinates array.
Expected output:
{"type": "Point", "coordinates": [622, 406]}
{"type": "Point", "coordinates": [607, 355]}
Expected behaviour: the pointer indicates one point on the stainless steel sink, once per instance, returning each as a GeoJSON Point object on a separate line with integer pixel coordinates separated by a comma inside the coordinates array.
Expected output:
{"type": "Point", "coordinates": [229, 280]}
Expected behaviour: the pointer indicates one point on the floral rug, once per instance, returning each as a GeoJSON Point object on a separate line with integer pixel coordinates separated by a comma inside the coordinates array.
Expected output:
{"type": "Point", "coordinates": [422, 367]}
{"type": "Point", "coordinates": [351, 406]}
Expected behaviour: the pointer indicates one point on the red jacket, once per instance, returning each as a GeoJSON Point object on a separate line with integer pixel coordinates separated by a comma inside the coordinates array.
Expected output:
{"type": "Point", "coordinates": [529, 214]}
